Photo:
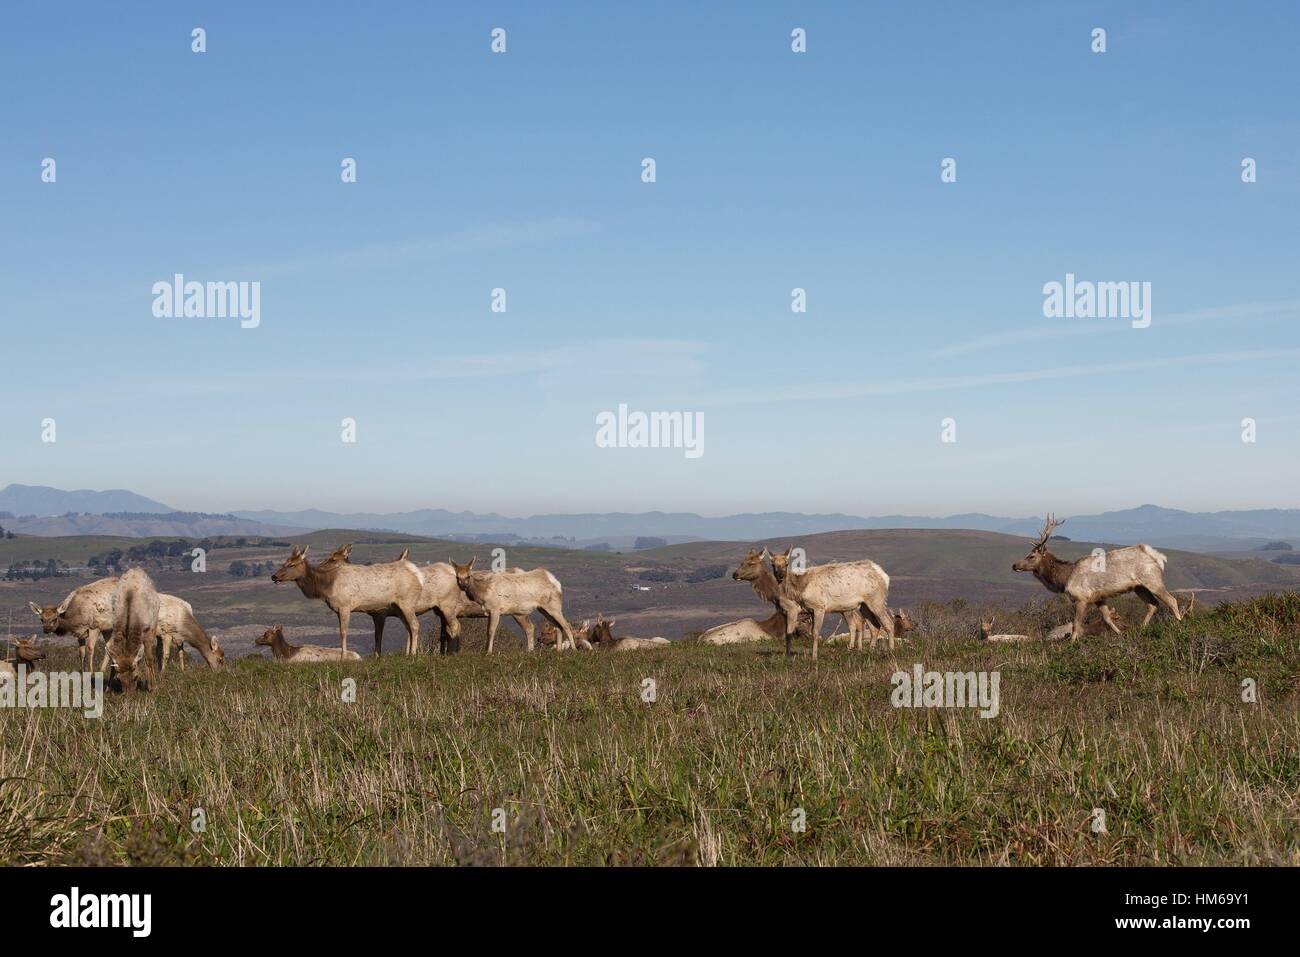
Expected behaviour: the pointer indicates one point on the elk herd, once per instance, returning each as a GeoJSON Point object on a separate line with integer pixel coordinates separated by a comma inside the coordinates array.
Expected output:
{"type": "Point", "coordinates": [143, 629]}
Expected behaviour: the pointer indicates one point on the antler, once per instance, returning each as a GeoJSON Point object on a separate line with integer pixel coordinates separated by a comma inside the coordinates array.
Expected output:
{"type": "Point", "coordinates": [1051, 526]}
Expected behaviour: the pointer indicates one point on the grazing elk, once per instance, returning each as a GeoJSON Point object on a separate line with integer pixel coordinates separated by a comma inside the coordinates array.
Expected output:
{"type": "Point", "coordinates": [177, 627]}
{"type": "Point", "coordinates": [860, 588]}
{"type": "Point", "coordinates": [604, 638]}
{"type": "Point", "coordinates": [1095, 579]}
{"type": "Point", "coordinates": [515, 592]}
{"type": "Point", "coordinates": [986, 633]}
{"type": "Point", "coordinates": [86, 614]}
{"type": "Point", "coordinates": [282, 650]}
{"type": "Point", "coordinates": [135, 628]}
{"type": "Point", "coordinates": [392, 588]}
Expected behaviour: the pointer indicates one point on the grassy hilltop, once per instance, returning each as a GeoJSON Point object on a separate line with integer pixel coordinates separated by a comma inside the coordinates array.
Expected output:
{"type": "Point", "coordinates": [1150, 727]}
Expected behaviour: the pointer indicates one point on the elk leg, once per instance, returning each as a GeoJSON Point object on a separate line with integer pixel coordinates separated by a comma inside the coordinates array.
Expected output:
{"type": "Point", "coordinates": [442, 631]}
{"type": "Point", "coordinates": [1080, 611]}
{"type": "Point", "coordinates": [412, 623]}
{"type": "Point", "coordinates": [878, 611]}
{"type": "Point", "coordinates": [791, 611]}
{"type": "Point", "coordinates": [526, 626]}
{"type": "Point", "coordinates": [379, 632]}
{"type": "Point", "coordinates": [494, 619]}
{"type": "Point", "coordinates": [451, 635]}
{"type": "Point", "coordinates": [1105, 616]}
{"type": "Point", "coordinates": [818, 616]}
{"type": "Point", "coordinates": [1151, 603]}
{"type": "Point", "coordinates": [344, 614]}
{"type": "Point", "coordinates": [559, 621]}
{"type": "Point", "coordinates": [1169, 601]}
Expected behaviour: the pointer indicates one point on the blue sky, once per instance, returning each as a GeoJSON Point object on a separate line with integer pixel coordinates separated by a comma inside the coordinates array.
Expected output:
{"type": "Point", "coordinates": [775, 170]}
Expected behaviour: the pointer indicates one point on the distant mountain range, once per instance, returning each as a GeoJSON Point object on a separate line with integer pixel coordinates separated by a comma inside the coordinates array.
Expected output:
{"type": "Point", "coordinates": [1198, 531]}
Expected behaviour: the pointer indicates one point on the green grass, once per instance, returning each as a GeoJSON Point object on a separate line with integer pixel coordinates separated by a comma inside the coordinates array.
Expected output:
{"type": "Point", "coordinates": [1149, 727]}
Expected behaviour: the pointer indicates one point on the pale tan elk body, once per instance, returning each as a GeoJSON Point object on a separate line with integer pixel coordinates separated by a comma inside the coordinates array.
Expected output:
{"type": "Point", "coordinates": [25, 653]}
{"type": "Point", "coordinates": [282, 650]}
{"type": "Point", "coordinates": [177, 627]}
{"type": "Point", "coordinates": [860, 587]}
{"type": "Point", "coordinates": [986, 633]}
{"type": "Point", "coordinates": [762, 578]}
{"type": "Point", "coordinates": [605, 640]}
{"type": "Point", "coordinates": [515, 593]}
{"type": "Point", "coordinates": [135, 628]}
{"type": "Point", "coordinates": [1095, 579]}
{"type": "Point", "coordinates": [86, 614]}
{"type": "Point", "coordinates": [745, 630]}
{"type": "Point", "coordinates": [392, 588]}
{"type": "Point", "coordinates": [443, 596]}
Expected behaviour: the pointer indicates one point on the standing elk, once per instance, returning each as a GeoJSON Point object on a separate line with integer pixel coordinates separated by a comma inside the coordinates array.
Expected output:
{"type": "Point", "coordinates": [755, 570]}
{"type": "Point", "coordinates": [392, 588]}
{"type": "Point", "coordinates": [860, 588]}
{"type": "Point", "coordinates": [1095, 579]}
{"type": "Point", "coordinates": [282, 650]}
{"type": "Point", "coordinates": [86, 614]}
{"type": "Point", "coordinates": [135, 628]}
{"type": "Point", "coordinates": [515, 592]}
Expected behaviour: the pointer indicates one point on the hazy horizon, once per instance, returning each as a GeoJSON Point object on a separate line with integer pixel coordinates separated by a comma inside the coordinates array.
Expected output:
{"type": "Point", "coordinates": [775, 171]}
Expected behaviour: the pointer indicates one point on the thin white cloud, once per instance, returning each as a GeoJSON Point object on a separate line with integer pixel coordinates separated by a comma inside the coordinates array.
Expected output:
{"type": "Point", "coordinates": [1058, 329]}
{"type": "Point", "coordinates": [822, 391]}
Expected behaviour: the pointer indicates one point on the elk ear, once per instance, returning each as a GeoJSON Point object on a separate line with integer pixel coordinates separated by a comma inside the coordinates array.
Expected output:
{"type": "Point", "coordinates": [763, 554]}
{"type": "Point", "coordinates": [35, 607]}
{"type": "Point", "coordinates": [472, 560]}
{"type": "Point", "coordinates": [303, 554]}
{"type": "Point", "coordinates": [789, 551]}
{"type": "Point", "coordinates": [611, 622]}
{"type": "Point", "coordinates": [64, 605]}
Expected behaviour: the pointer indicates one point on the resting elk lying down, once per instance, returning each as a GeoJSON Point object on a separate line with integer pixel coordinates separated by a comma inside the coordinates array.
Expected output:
{"type": "Point", "coordinates": [549, 635]}
{"type": "Point", "coordinates": [605, 640]}
{"type": "Point", "coordinates": [986, 633]}
{"type": "Point", "coordinates": [1095, 579]}
{"type": "Point", "coordinates": [282, 650]}
{"type": "Point", "coordinates": [515, 592]}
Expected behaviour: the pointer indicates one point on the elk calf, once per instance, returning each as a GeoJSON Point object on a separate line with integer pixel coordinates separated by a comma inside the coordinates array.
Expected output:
{"type": "Point", "coordinates": [1095, 579]}
{"type": "Point", "coordinates": [282, 650]}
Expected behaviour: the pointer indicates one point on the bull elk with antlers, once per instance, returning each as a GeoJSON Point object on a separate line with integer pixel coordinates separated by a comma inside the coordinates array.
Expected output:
{"type": "Point", "coordinates": [1097, 578]}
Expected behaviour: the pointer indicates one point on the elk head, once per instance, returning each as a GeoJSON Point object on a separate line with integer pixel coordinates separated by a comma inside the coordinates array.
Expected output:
{"type": "Point", "coordinates": [49, 616]}
{"type": "Point", "coordinates": [269, 637]}
{"type": "Point", "coordinates": [25, 650]}
{"type": "Point", "coordinates": [1039, 553]}
{"type": "Point", "coordinates": [903, 622]}
{"type": "Point", "coordinates": [463, 573]}
{"type": "Point", "coordinates": [781, 563]}
{"type": "Point", "coordinates": [986, 627]}
{"type": "Point", "coordinates": [751, 567]}
{"type": "Point", "coordinates": [294, 567]}
{"type": "Point", "coordinates": [339, 556]}
{"type": "Point", "coordinates": [602, 631]}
